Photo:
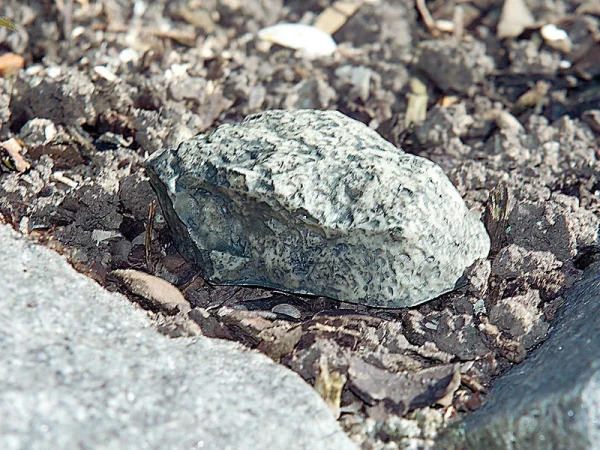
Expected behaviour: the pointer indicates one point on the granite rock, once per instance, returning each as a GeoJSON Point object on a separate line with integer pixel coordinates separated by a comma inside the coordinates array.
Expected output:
{"type": "Point", "coordinates": [84, 368]}
{"type": "Point", "coordinates": [314, 202]}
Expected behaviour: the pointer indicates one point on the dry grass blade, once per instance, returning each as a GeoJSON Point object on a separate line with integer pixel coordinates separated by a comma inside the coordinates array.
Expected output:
{"type": "Point", "coordinates": [6, 22]}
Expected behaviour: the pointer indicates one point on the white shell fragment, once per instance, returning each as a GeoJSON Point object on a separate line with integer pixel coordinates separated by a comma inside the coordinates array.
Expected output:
{"type": "Point", "coordinates": [556, 38]}
{"type": "Point", "coordinates": [310, 41]}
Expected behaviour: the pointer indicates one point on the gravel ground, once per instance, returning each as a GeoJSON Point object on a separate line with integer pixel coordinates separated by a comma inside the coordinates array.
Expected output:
{"type": "Point", "coordinates": [512, 122]}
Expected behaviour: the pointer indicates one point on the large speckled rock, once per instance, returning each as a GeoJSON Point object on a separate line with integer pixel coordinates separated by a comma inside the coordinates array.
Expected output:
{"type": "Point", "coordinates": [315, 202]}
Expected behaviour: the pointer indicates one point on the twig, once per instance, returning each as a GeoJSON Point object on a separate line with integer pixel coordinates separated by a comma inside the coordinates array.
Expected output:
{"type": "Point", "coordinates": [459, 20]}
{"type": "Point", "coordinates": [148, 237]}
{"type": "Point", "coordinates": [426, 16]}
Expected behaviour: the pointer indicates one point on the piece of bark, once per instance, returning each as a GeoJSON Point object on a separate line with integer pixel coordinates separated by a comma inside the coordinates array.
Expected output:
{"type": "Point", "coordinates": [495, 218]}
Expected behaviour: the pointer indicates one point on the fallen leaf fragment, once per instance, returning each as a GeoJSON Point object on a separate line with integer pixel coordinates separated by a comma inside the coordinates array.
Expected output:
{"type": "Point", "coordinates": [416, 110]}
{"type": "Point", "coordinates": [157, 291]}
{"type": "Point", "coordinates": [403, 392]}
{"type": "Point", "coordinates": [514, 19]}
{"type": "Point", "coordinates": [6, 22]}
{"type": "Point", "coordinates": [15, 160]}
{"type": "Point", "coordinates": [310, 41]}
{"type": "Point", "coordinates": [11, 63]}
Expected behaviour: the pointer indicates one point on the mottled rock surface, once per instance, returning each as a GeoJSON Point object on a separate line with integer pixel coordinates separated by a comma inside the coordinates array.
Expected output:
{"type": "Point", "coordinates": [314, 202]}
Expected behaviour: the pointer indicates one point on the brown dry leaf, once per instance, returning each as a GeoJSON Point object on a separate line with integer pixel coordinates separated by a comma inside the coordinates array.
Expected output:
{"type": "Point", "coordinates": [514, 19]}
{"type": "Point", "coordinates": [11, 63]}
{"type": "Point", "coordinates": [403, 392]}
{"type": "Point", "coordinates": [329, 386]}
{"type": "Point", "coordinates": [244, 326]}
{"type": "Point", "coordinates": [15, 160]}
{"type": "Point", "coordinates": [157, 291]}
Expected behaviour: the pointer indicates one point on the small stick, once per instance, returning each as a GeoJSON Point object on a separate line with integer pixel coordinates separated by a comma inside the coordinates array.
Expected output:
{"type": "Point", "coordinates": [459, 28]}
{"type": "Point", "coordinates": [426, 16]}
{"type": "Point", "coordinates": [148, 237]}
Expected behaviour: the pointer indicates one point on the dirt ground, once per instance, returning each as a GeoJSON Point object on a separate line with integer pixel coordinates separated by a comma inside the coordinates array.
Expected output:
{"type": "Point", "coordinates": [514, 123]}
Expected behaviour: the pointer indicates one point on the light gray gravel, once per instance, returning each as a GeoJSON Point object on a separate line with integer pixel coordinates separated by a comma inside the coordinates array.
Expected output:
{"type": "Point", "coordinates": [82, 368]}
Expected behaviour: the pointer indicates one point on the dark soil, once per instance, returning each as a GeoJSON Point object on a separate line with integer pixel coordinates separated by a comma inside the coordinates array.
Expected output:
{"type": "Point", "coordinates": [107, 83]}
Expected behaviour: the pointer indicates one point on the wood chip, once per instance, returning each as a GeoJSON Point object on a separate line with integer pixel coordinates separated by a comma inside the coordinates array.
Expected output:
{"type": "Point", "coordinates": [11, 63]}
{"type": "Point", "coordinates": [148, 236]}
{"type": "Point", "coordinates": [416, 110]}
{"type": "Point", "coordinates": [329, 385]}
{"type": "Point", "coordinates": [15, 160]}
{"type": "Point", "coordinates": [335, 16]}
{"type": "Point", "coordinates": [427, 17]}
{"type": "Point", "coordinates": [496, 216]}
{"type": "Point", "coordinates": [158, 292]}
{"type": "Point", "coordinates": [514, 19]}
{"type": "Point", "coordinates": [535, 97]}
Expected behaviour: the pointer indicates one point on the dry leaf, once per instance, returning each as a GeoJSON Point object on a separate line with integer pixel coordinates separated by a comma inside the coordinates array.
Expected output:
{"type": "Point", "coordinates": [6, 22]}
{"type": "Point", "coordinates": [159, 292]}
{"type": "Point", "coordinates": [403, 392]}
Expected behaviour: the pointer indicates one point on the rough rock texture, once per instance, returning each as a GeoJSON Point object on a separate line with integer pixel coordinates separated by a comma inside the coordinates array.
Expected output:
{"type": "Point", "coordinates": [455, 68]}
{"type": "Point", "coordinates": [82, 368]}
{"type": "Point", "coordinates": [314, 202]}
{"type": "Point", "coordinates": [551, 400]}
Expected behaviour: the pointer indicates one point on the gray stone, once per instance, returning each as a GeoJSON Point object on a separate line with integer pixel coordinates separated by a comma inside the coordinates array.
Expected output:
{"type": "Point", "coordinates": [62, 94]}
{"type": "Point", "coordinates": [551, 400]}
{"type": "Point", "coordinates": [314, 202]}
{"type": "Point", "coordinates": [82, 368]}
{"type": "Point", "coordinates": [454, 67]}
